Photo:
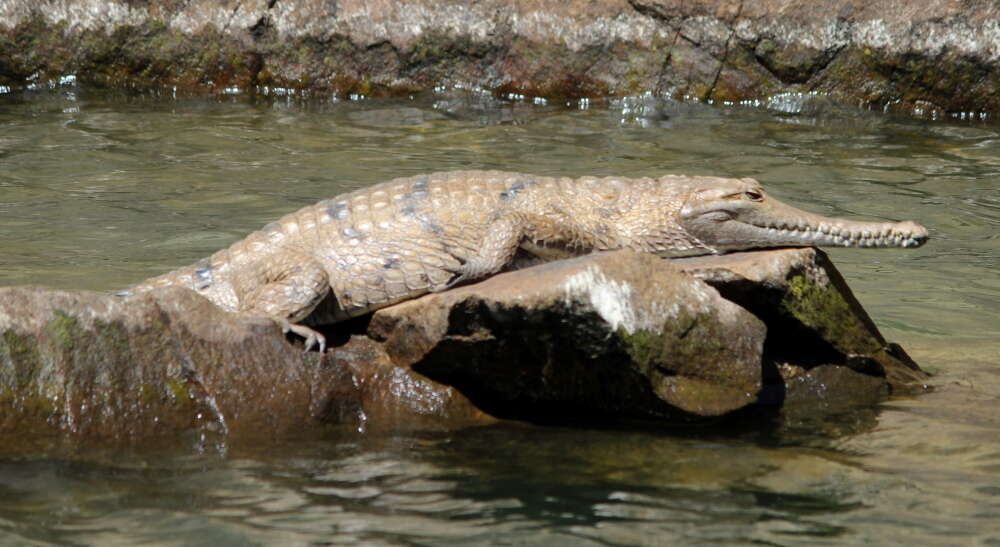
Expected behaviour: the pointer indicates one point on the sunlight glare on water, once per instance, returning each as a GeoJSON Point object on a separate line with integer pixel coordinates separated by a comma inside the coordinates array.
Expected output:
{"type": "Point", "coordinates": [99, 190]}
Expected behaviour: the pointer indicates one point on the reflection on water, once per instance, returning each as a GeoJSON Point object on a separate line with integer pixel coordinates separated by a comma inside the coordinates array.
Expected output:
{"type": "Point", "coordinates": [99, 191]}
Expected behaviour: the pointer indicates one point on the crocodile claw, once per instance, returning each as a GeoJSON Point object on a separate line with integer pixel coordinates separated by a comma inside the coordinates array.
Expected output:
{"type": "Point", "coordinates": [454, 282]}
{"type": "Point", "coordinates": [311, 337]}
{"type": "Point", "coordinates": [470, 270]}
{"type": "Point", "coordinates": [460, 277]}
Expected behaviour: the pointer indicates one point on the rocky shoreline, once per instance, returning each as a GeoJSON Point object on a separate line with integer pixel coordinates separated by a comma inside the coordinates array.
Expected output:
{"type": "Point", "coordinates": [934, 59]}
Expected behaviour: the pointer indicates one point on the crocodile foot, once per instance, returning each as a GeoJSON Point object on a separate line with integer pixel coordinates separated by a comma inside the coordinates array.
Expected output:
{"type": "Point", "coordinates": [311, 337]}
{"type": "Point", "coordinates": [472, 269]}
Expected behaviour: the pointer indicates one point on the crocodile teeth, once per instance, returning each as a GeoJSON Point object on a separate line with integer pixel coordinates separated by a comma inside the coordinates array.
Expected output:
{"type": "Point", "coordinates": [825, 233]}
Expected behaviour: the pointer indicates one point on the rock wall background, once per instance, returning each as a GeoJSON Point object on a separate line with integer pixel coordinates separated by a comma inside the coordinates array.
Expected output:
{"type": "Point", "coordinates": [927, 57]}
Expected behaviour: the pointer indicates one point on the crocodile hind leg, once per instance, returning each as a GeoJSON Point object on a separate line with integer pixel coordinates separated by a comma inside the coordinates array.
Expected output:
{"type": "Point", "coordinates": [503, 238]}
{"type": "Point", "coordinates": [289, 298]}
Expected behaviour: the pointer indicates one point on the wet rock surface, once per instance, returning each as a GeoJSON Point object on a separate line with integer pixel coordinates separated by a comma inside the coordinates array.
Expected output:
{"type": "Point", "coordinates": [92, 368]}
{"type": "Point", "coordinates": [930, 58]}
{"type": "Point", "coordinates": [613, 336]}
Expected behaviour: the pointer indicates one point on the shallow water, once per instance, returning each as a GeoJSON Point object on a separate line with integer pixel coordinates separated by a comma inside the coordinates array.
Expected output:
{"type": "Point", "coordinates": [100, 190]}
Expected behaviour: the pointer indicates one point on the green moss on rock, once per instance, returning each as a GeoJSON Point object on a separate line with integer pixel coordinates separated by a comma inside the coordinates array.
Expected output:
{"type": "Point", "coordinates": [20, 361]}
{"type": "Point", "coordinates": [62, 329]}
{"type": "Point", "coordinates": [823, 308]}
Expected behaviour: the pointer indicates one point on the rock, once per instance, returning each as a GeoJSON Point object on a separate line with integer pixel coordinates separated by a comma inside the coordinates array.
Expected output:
{"type": "Point", "coordinates": [90, 368]}
{"type": "Point", "coordinates": [381, 396]}
{"type": "Point", "coordinates": [812, 316]}
{"type": "Point", "coordinates": [929, 59]}
{"type": "Point", "coordinates": [578, 337]}
{"type": "Point", "coordinates": [613, 335]}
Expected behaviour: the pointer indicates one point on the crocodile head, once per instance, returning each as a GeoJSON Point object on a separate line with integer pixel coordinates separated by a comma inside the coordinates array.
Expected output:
{"type": "Point", "coordinates": [733, 214]}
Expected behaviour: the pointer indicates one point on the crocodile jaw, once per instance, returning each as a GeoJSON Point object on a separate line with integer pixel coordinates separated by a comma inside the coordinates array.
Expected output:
{"type": "Point", "coordinates": [738, 215]}
{"type": "Point", "coordinates": [825, 232]}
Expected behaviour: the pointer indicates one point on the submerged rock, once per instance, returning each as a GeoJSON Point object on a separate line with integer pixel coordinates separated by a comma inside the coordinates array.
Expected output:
{"type": "Point", "coordinates": [938, 59]}
{"type": "Point", "coordinates": [611, 336]}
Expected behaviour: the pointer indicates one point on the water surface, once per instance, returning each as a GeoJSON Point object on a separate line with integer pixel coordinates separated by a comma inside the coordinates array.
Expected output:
{"type": "Point", "coordinates": [100, 190]}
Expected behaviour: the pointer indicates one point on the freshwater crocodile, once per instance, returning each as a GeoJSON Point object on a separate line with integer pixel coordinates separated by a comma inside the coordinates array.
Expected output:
{"type": "Point", "coordinates": [400, 239]}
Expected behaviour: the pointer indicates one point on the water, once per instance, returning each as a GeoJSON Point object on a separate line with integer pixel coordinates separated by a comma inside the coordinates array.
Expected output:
{"type": "Point", "coordinates": [100, 190]}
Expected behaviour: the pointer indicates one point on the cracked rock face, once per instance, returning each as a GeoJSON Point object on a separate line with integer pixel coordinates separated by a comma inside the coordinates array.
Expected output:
{"type": "Point", "coordinates": [931, 57]}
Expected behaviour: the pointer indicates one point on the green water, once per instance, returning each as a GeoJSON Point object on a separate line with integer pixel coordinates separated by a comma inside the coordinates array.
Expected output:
{"type": "Point", "coordinates": [98, 191]}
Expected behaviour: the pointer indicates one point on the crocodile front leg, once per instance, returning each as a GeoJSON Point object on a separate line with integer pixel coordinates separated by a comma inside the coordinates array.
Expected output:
{"type": "Point", "coordinates": [289, 298]}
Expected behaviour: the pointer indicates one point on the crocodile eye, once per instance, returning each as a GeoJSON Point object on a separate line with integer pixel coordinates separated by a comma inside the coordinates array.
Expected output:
{"type": "Point", "coordinates": [753, 195]}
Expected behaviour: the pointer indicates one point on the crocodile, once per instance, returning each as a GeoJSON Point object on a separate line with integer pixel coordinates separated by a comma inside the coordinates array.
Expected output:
{"type": "Point", "coordinates": [400, 239]}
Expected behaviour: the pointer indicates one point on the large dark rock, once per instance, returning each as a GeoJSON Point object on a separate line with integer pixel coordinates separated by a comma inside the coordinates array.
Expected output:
{"type": "Point", "coordinates": [582, 337]}
{"type": "Point", "coordinates": [614, 335]}
{"type": "Point", "coordinates": [611, 336]}
{"type": "Point", "coordinates": [925, 58]}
